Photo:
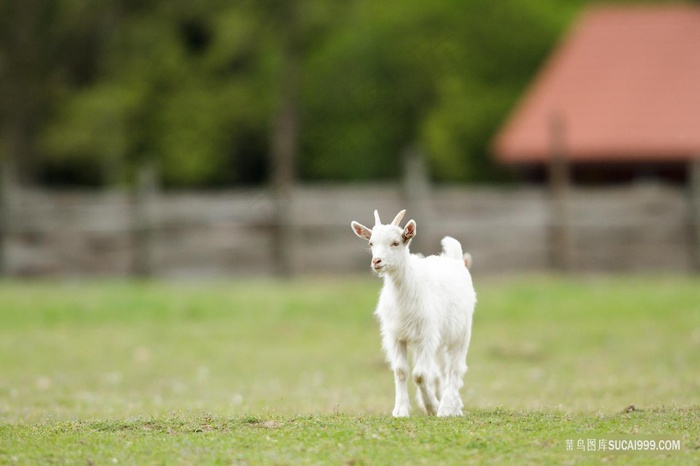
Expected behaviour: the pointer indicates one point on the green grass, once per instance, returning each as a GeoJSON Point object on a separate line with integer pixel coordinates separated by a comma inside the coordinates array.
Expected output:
{"type": "Point", "coordinates": [263, 372]}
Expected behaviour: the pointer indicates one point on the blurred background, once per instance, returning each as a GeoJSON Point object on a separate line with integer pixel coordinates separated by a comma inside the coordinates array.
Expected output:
{"type": "Point", "coordinates": [209, 137]}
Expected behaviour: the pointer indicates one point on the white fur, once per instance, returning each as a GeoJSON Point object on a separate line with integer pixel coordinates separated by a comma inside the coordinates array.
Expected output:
{"type": "Point", "coordinates": [426, 306]}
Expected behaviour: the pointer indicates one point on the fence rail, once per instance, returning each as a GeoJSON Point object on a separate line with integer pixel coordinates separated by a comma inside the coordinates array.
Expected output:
{"type": "Point", "coordinates": [49, 233]}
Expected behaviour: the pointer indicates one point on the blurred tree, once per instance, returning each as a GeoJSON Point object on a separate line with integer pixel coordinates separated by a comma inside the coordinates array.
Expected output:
{"type": "Point", "coordinates": [92, 88]}
{"type": "Point", "coordinates": [285, 131]}
{"type": "Point", "coordinates": [181, 85]}
{"type": "Point", "coordinates": [45, 47]}
{"type": "Point", "coordinates": [437, 74]}
{"type": "Point", "coordinates": [191, 85]}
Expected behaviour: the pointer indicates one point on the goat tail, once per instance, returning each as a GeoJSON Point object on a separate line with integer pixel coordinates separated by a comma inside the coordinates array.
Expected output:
{"type": "Point", "coordinates": [451, 248]}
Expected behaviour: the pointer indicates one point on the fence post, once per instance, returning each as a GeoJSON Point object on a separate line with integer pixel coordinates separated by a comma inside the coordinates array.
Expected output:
{"type": "Point", "coordinates": [6, 182]}
{"type": "Point", "coordinates": [559, 184]}
{"type": "Point", "coordinates": [416, 193]}
{"type": "Point", "coordinates": [144, 220]}
{"type": "Point", "coordinates": [694, 199]}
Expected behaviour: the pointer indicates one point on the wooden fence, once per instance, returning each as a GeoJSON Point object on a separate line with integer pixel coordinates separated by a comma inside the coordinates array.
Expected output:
{"type": "Point", "coordinates": [645, 227]}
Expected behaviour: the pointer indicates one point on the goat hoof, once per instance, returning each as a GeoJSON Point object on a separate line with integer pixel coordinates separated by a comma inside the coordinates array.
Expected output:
{"type": "Point", "coordinates": [449, 411]}
{"type": "Point", "coordinates": [400, 412]}
{"type": "Point", "coordinates": [453, 414]}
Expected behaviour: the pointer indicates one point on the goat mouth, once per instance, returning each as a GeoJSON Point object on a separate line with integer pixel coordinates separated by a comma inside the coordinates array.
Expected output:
{"type": "Point", "coordinates": [377, 268]}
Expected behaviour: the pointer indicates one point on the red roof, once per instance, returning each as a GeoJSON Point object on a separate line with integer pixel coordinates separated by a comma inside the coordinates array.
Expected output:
{"type": "Point", "coordinates": [625, 85]}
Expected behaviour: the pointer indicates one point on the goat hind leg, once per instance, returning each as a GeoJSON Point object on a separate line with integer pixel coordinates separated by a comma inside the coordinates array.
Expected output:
{"type": "Point", "coordinates": [451, 402]}
{"type": "Point", "coordinates": [423, 376]}
{"type": "Point", "coordinates": [440, 374]}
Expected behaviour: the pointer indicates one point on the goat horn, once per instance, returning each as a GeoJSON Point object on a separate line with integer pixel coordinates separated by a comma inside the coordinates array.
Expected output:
{"type": "Point", "coordinates": [376, 218]}
{"type": "Point", "coordinates": [398, 217]}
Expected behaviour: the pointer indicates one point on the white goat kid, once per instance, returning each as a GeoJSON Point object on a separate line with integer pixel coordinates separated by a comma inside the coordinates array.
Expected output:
{"type": "Point", "coordinates": [426, 305]}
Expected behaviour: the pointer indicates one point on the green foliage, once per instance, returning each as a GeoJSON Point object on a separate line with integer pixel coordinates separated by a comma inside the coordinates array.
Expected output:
{"type": "Point", "coordinates": [100, 86]}
{"type": "Point", "coordinates": [180, 87]}
{"type": "Point", "coordinates": [440, 74]}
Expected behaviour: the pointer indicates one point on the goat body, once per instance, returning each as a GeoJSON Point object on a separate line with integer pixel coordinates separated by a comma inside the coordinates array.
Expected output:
{"type": "Point", "coordinates": [426, 306]}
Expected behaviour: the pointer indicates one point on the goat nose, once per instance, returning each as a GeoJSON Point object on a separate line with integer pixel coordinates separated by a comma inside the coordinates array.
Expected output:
{"type": "Point", "coordinates": [376, 261]}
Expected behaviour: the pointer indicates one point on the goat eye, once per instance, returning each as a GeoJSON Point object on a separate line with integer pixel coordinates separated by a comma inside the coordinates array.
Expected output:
{"type": "Point", "coordinates": [371, 245]}
{"type": "Point", "coordinates": [395, 243]}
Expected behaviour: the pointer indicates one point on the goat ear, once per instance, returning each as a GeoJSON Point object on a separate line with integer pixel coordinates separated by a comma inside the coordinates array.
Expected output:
{"type": "Point", "coordinates": [467, 260]}
{"type": "Point", "coordinates": [361, 230]}
{"type": "Point", "coordinates": [409, 231]}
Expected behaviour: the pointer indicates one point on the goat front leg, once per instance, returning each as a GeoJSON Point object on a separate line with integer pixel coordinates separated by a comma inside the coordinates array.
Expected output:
{"type": "Point", "coordinates": [397, 353]}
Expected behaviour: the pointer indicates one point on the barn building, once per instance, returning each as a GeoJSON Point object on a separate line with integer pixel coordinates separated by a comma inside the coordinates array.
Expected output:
{"type": "Point", "coordinates": [619, 99]}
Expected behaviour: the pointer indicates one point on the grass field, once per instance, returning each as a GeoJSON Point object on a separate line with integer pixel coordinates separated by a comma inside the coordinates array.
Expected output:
{"type": "Point", "coordinates": [264, 372]}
